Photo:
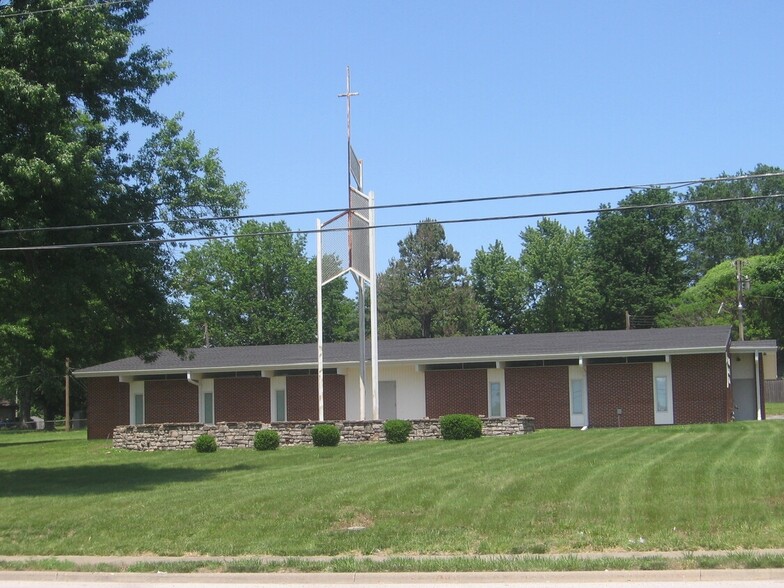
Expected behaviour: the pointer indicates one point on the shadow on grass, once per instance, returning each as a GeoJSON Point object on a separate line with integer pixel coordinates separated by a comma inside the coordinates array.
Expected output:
{"type": "Point", "coordinates": [98, 479]}
{"type": "Point", "coordinates": [3, 443]}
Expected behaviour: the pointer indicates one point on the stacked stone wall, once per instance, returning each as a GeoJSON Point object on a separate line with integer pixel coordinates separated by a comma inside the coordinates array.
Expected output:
{"type": "Point", "coordinates": [176, 436]}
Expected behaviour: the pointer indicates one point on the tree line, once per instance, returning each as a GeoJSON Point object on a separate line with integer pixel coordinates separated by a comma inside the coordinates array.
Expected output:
{"type": "Point", "coordinates": [644, 257]}
{"type": "Point", "coordinates": [81, 146]}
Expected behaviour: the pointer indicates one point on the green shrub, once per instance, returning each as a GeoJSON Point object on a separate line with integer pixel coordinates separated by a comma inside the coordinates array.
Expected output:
{"type": "Point", "coordinates": [206, 444]}
{"type": "Point", "coordinates": [397, 430]}
{"type": "Point", "coordinates": [325, 435]}
{"type": "Point", "coordinates": [460, 426]}
{"type": "Point", "coordinates": [266, 440]}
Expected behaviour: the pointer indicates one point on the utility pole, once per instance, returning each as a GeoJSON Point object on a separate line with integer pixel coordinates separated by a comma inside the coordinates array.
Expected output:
{"type": "Point", "coordinates": [740, 280]}
{"type": "Point", "coordinates": [67, 394]}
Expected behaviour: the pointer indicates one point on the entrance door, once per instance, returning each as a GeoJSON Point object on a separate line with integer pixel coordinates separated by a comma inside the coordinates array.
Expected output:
{"type": "Point", "coordinates": [387, 400]}
{"type": "Point", "coordinates": [744, 396]}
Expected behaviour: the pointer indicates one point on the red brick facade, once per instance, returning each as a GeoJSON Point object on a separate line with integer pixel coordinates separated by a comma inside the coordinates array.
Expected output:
{"type": "Point", "coordinates": [699, 389]}
{"type": "Point", "coordinates": [455, 391]}
{"type": "Point", "coordinates": [108, 405]}
{"type": "Point", "coordinates": [625, 386]}
{"type": "Point", "coordinates": [170, 401]}
{"type": "Point", "coordinates": [242, 399]}
{"type": "Point", "coordinates": [539, 392]}
{"type": "Point", "coordinates": [302, 398]}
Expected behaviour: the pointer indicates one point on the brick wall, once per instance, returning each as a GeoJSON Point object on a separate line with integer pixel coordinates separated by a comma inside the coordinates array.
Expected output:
{"type": "Point", "coordinates": [302, 398]}
{"type": "Point", "coordinates": [539, 392]}
{"type": "Point", "coordinates": [108, 405]}
{"type": "Point", "coordinates": [242, 399]}
{"type": "Point", "coordinates": [625, 386]}
{"type": "Point", "coordinates": [455, 391]}
{"type": "Point", "coordinates": [699, 389]}
{"type": "Point", "coordinates": [170, 401]}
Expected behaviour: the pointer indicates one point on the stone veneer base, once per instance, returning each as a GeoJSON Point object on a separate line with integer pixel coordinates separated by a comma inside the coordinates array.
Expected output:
{"type": "Point", "coordinates": [178, 436]}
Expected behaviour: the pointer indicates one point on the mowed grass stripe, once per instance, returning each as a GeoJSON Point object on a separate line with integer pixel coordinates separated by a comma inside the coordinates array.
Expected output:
{"type": "Point", "coordinates": [705, 486]}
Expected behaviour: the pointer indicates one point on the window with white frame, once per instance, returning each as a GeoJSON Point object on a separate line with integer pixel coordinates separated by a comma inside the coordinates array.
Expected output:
{"type": "Point", "coordinates": [137, 403]}
{"type": "Point", "coordinates": [495, 393]}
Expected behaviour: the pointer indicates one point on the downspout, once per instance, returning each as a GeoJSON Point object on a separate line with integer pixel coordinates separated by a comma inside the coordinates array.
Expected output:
{"type": "Point", "coordinates": [583, 364]}
{"type": "Point", "coordinates": [757, 383]}
{"type": "Point", "coordinates": [198, 394]}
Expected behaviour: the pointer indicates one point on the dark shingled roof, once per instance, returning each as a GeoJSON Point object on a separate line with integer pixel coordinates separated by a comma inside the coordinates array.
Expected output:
{"type": "Point", "coordinates": [446, 350]}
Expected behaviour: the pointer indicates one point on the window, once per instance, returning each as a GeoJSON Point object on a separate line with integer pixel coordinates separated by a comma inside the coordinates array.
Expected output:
{"type": "Point", "coordinates": [280, 405]}
{"type": "Point", "coordinates": [209, 408]}
{"type": "Point", "coordinates": [577, 396]}
{"type": "Point", "coordinates": [662, 402]}
{"type": "Point", "coordinates": [495, 399]}
{"type": "Point", "coordinates": [138, 409]}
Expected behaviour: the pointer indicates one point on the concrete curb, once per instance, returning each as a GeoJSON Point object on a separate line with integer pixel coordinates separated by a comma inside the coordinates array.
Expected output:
{"type": "Point", "coordinates": [126, 560]}
{"type": "Point", "coordinates": [427, 578]}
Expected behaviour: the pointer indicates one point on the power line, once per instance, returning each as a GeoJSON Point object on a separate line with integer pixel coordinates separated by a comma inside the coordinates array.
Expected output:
{"type": "Point", "coordinates": [453, 201]}
{"type": "Point", "coordinates": [388, 225]}
{"type": "Point", "coordinates": [64, 8]}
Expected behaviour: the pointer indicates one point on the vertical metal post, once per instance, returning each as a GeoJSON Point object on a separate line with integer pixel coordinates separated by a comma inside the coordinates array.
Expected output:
{"type": "Point", "coordinates": [67, 394]}
{"type": "Point", "coordinates": [319, 313]}
{"type": "Point", "coordinates": [362, 352]}
{"type": "Point", "coordinates": [373, 303]}
{"type": "Point", "coordinates": [759, 387]}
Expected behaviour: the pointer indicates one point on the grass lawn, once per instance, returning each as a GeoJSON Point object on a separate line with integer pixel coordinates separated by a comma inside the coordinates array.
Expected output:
{"type": "Point", "coordinates": [774, 408]}
{"type": "Point", "coordinates": [684, 488]}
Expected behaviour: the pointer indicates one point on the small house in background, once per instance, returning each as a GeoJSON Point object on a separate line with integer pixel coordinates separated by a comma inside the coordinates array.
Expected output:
{"type": "Point", "coordinates": [594, 379]}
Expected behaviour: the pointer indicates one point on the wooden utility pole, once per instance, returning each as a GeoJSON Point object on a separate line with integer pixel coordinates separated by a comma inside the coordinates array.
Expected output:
{"type": "Point", "coordinates": [67, 393]}
{"type": "Point", "coordinates": [739, 276]}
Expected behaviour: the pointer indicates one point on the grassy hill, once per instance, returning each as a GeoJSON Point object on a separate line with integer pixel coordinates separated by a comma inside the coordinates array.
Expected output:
{"type": "Point", "coordinates": [668, 488]}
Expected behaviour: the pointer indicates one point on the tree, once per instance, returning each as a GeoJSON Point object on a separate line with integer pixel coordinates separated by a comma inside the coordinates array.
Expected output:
{"type": "Point", "coordinates": [425, 293]}
{"type": "Point", "coordinates": [560, 288]}
{"type": "Point", "coordinates": [713, 299]}
{"type": "Point", "coordinates": [498, 283]}
{"type": "Point", "coordinates": [259, 289]}
{"type": "Point", "coordinates": [74, 86]}
{"type": "Point", "coordinates": [637, 256]}
{"type": "Point", "coordinates": [737, 229]}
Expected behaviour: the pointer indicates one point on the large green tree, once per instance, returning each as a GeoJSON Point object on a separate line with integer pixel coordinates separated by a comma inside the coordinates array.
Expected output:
{"type": "Point", "coordinates": [637, 256]}
{"type": "Point", "coordinates": [498, 282]}
{"type": "Point", "coordinates": [75, 89]}
{"type": "Point", "coordinates": [740, 228]}
{"type": "Point", "coordinates": [260, 289]}
{"type": "Point", "coordinates": [425, 293]}
{"type": "Point", "coordinates": [559, 285]}
{"type": "Point", "coordinates": [713, 299]}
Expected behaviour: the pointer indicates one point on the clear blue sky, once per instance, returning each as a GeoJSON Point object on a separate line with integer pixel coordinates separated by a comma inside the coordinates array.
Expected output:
{"type": "Point", "coordinates": [462, 99]}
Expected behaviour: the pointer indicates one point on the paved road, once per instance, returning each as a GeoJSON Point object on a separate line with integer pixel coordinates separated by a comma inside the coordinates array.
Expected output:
{"type": "Point", "coordinates": [651, 579]}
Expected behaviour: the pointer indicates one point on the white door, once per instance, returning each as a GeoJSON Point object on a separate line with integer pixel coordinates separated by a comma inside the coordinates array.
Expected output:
{"type": "Point", "coordinates": [387, 400]}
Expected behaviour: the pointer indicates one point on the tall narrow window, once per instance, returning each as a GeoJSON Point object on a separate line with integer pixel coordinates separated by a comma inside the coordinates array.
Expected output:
{"type": "Point", "coordinates": [662, 402]}
{"type": "Point", "coordinates": [209, 408]}
{"type": "Point", "coordinates": [138, 409]}
{"type": "Point", "coordinates": [495, 399]}
{"type": "Point", "coordinates": [280, 405]}
{"type": "Point", "coordinates": [577, 396]}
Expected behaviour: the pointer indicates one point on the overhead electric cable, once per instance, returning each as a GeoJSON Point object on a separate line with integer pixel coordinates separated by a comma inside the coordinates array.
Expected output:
{"type": "Point", "coordinates": [63, 8]}
{"type": "Point", "coordinates": [453, 201]}
{"type": "Point", "coordinates": [176, 240]}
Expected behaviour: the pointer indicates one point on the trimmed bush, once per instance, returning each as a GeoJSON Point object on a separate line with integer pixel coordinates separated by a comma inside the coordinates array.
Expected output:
{"type": "Point", "coordinates": [325, 435]}
{"type": "Point", "coordinates": [460, 426]}
{"type": "Point", "coordinates": [206, 444]}
{"type": "Point", "coordinates": [397, 430]}
{"type": "Point", "coordinates": [266, 440]}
